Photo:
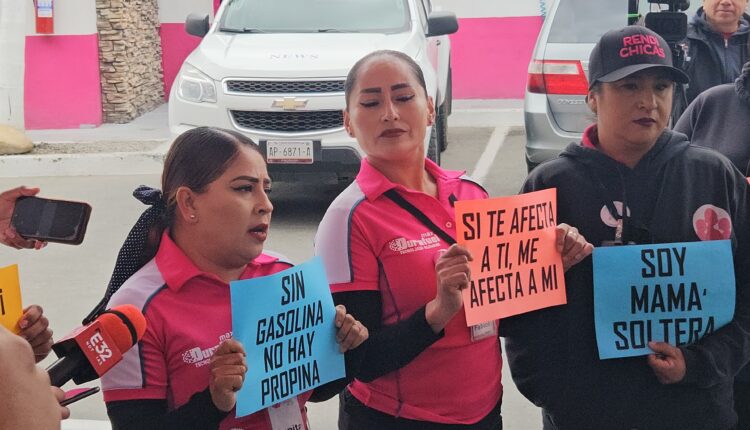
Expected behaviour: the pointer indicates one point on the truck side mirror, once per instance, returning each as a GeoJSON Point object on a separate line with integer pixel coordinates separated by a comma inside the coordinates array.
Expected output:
{"type": "Point", "coordinates": [441, 22]}
{"type": "Point", "coordinates": [197, 25]}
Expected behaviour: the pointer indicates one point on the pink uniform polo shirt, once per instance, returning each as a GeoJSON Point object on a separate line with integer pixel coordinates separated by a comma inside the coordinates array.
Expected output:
{"type": "Point", "coordinates": [368, 243]}
{"type": "Point", "coordinates": [188, 315]}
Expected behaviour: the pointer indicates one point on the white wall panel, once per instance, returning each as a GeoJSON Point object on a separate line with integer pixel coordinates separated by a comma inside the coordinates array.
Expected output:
{"type": "Point", "coordinates": [71, 17]}
{"type": "Point", "coordinates": [173, 11]}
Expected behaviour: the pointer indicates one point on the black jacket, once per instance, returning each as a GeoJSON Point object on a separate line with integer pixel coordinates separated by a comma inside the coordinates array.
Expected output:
{"type": "Point", "coordinates": [711, 61]}
{"type": "Point", "coordinates": [720, 119]}
{"type": "Point", "coordinates": [552, 353]}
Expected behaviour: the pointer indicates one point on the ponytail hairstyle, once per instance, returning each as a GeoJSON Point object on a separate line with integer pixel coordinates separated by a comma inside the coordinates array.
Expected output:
{"type": "Point", "coordinates": [197, 157]}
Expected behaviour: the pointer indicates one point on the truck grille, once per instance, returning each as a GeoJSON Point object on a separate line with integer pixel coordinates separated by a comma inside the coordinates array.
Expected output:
{"type": "Point", "coordinates": [289, 122]}
{"type": "Point", "coordinates": [274, 87]}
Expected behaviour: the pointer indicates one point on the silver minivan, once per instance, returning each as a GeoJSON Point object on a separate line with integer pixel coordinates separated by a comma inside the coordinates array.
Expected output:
{"type": "Point", "coordinates": [555, 111]}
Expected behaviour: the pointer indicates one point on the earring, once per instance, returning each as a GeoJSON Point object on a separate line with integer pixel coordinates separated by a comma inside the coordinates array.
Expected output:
{"type": "Point", "coordinates": [192, 216]}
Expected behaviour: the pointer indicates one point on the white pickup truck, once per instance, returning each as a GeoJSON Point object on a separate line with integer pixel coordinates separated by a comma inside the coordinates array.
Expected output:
{"type": "Point", "coordinates": [275, 71]}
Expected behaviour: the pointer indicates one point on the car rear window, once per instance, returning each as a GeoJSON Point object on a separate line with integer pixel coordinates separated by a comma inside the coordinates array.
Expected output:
{"type": "Point", "coordinates": [584, 21]}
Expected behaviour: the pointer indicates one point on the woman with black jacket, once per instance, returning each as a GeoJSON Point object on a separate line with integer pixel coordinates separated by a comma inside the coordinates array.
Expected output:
{"type": "Point", "coordinates": [632, 181]}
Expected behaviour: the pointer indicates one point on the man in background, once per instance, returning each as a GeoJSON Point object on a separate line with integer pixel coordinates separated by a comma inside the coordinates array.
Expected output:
{"type": "Point", "coordinates": [718, 46]}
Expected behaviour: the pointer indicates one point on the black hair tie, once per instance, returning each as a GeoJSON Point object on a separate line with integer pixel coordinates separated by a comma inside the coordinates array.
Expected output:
{"type": "Point", "coordinates": [149, 196]}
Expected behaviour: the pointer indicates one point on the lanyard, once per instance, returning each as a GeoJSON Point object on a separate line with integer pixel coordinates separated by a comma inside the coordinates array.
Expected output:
{"type": "Point", "coordinates": [399, 200]}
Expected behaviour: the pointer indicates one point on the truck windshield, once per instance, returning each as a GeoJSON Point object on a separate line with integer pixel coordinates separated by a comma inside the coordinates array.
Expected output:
{"type": "Point", "coordinates": [313, 16]}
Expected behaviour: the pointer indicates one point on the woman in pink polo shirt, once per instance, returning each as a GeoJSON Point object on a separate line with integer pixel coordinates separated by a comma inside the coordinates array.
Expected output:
{"type": "Point", "coordinates": [386, 244]}
{"type": "Point", "coordinates": [205, 230]}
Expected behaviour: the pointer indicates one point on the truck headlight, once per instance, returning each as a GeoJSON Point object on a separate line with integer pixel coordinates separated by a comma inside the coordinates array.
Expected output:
{"type": "Point", "coordinates": [196, 87]}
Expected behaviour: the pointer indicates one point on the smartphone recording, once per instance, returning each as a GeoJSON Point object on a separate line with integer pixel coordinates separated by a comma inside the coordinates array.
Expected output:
{"type": "Point", "coordinates": [48, 220]}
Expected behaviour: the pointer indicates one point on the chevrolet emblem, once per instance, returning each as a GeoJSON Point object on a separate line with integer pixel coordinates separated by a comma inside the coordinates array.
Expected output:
{"type": "Point", "coordinates": [289, 103]}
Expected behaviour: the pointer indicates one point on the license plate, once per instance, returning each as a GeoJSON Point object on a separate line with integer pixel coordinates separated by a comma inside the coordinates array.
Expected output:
{"type": "Point", "coordinates": [289, 151]}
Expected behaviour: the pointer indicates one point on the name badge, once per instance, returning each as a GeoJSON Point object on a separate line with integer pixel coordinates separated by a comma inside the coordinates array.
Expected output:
{"type": "Point", "coordinates": [483, 331]}
{"type": "Point", "coordinates": [287, 416]}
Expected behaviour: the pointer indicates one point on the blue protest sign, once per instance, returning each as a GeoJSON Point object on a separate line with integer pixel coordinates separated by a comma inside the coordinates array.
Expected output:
{"type": "Point", "coordinates": [285, 322]}
{"type": "Point", "coordinates": [670, 292]}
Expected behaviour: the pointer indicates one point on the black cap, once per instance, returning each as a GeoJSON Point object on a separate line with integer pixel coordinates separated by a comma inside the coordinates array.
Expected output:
{"type": "Point", "coordinates": [622, 52]}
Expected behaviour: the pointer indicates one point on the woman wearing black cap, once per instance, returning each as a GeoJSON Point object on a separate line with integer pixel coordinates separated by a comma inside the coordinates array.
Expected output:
{"type": "Point", "coordinates": [628, 159]}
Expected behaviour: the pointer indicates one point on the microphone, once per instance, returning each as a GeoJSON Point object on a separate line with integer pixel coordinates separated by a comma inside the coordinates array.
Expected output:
{"type": "Point", "coordinates": [90, 351]}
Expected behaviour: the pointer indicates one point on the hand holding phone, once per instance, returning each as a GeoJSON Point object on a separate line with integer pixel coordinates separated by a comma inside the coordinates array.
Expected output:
{"type": "Point", "coordinates": [49, 220]}
{"type": "Point", "coordinates": [76, 394]}
{"type": "Point", "coordinates": [8, 235]}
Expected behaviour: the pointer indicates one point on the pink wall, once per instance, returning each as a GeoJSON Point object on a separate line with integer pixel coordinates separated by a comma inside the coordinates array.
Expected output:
{"type": "Point", "coordinates": [62, 85]}
{"type": "Point", "coordinates": [176, 45]}
{"type": "Point", "coordinates": [490, 56]}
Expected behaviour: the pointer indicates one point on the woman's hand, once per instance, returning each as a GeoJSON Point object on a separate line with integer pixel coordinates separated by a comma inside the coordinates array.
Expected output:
{"type": "Point", "coordinates": [35, 329]}
{"type": "Point", "coordinates": [453, 275]}
{"type": "Point", "coordinates": [351, 333]}
{"type": "Point", "coordinates": [228, 369]}
{"type": "Point", "coordinates": [572, 245]}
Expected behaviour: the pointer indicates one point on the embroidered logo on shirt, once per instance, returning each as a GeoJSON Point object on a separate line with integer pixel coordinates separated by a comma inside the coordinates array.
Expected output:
{"type": "Point", "coordinates": [403, 245]}
{"type": "Point", "coordinates": [712, 223]}
{"type": "Point", "coordinates": [201, 357]}
{"type": "Point", "coordinates": [607, 217]}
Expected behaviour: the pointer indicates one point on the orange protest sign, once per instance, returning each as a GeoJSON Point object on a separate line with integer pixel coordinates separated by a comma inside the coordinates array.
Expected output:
{"type": "Point", "coordinates": [10, 298]}
{"type": "Point", "coordinates": [516, 267]}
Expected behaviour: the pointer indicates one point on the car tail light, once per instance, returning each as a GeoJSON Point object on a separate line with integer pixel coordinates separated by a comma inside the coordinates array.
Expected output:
{"type": "Point", "coordinates": [557, 77]}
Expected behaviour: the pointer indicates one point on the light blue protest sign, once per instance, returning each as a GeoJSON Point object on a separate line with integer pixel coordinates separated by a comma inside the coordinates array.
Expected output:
{"type": "Point", "coordinates": [285, 322]}
{"type": "Point", "coordinates": [670, 292]}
